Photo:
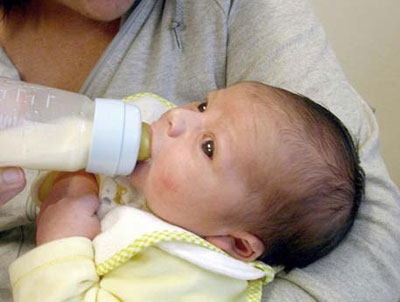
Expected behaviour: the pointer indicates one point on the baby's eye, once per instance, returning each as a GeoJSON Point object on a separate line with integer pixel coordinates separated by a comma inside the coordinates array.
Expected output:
{"type": "Point", "coordinates": [208, 148]}
{"type": "Point", "coordinates": [202, 106]}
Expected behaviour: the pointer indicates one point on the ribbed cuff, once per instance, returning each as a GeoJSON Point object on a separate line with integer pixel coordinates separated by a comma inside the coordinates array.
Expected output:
{"type": "Point", "coordinates": [49, 253]}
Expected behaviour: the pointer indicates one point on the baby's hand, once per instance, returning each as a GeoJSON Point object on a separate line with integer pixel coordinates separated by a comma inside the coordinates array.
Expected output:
{"type": "Point", "coordinates": [69, 209]}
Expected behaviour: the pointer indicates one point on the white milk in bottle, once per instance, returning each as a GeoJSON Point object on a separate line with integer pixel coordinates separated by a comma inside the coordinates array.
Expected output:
{"type": "Point", "coordinates": [62, 144]}
{"type": "Point", "coordinates": [51, 129]}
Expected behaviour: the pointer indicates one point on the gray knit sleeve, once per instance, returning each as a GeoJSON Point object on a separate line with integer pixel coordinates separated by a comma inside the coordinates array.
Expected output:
{"type": "Point", "coordinates": [283, 44]}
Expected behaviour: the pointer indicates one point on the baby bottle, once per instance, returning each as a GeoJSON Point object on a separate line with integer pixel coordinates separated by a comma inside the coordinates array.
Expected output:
{"type": "Point", "coordinates": [50, 129]}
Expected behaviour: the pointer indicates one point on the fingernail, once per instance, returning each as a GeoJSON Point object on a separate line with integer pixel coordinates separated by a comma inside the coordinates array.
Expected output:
{"type": "Point", "coordinates": [12, 176]}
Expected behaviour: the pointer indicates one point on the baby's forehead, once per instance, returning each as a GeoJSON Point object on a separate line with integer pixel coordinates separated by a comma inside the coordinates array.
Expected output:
{"type": "Point", "coordinates": [269, 119]}
{"type": "Point", "coordinates": [259, 94]}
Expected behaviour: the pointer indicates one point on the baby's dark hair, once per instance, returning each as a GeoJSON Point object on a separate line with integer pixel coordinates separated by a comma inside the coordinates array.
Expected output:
{"type": "Point", "coordinates": [8, 5]}
{"type": "Point", "coordinates": [312, 203]}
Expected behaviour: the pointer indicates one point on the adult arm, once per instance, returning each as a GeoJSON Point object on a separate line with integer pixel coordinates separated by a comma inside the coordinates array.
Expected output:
{"type": "Point", "coordinates": [283, 44]}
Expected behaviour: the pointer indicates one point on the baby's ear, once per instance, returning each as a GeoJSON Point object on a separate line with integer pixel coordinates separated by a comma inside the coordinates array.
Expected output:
{"type": "Point", "coordinates": [241, 245]}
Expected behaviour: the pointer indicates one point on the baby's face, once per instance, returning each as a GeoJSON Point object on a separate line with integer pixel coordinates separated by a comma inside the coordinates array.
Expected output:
{"type": "Point", "coordinates": [202, 158]}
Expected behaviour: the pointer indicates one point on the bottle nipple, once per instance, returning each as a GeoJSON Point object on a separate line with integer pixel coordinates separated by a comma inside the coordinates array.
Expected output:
{"type": "Point", "coordinates": [145, 143]}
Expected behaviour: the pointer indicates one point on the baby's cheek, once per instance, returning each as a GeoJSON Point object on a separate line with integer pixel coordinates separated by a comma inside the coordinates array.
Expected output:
{"type": "Point", "coordinates": [162, 196]}
{"type": "Point", "coordinates": [168, 179]}
{"type": "Point", "coordinates": [168, 182]}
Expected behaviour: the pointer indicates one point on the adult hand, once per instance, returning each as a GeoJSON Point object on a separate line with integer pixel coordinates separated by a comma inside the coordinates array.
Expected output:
{"type": "Point", "coordinates": [69, 209]}
{"type": "Point", "coordinates": [12, 181]}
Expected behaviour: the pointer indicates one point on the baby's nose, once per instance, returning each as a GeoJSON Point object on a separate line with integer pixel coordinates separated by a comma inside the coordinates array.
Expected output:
{"type": "Point", "coordinates": [182, 120]}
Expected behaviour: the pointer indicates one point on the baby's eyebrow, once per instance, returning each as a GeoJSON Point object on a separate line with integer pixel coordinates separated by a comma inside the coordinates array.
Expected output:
{"type": "Point", "coordinates": [210, 95]}
{"type": "Point", "coordinates": [208, 101]}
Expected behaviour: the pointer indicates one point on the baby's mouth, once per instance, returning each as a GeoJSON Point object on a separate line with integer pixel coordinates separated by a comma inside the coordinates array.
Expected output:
{"type": "Point", "coordinates": [145, 143]}
{"type": "Point", "coordinates": [153, 139]}
{"type": "Point", "coordinates": [157, 129]}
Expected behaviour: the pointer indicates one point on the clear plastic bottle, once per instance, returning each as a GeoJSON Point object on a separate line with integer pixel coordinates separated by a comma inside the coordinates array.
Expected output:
{"type": "Point", "coordinates": [51, 129]}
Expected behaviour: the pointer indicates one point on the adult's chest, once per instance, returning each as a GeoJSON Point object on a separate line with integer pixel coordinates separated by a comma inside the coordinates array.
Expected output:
{"type": "Point", "coordinates": [179, 62]}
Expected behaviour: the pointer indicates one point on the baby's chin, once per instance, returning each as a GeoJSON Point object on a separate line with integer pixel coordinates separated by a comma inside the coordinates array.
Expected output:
{"type": "Point", "coordinates": [139, 175]}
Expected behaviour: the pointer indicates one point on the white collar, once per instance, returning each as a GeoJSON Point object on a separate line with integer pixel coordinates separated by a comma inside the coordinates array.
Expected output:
{"type": "Point", "coordinates": [122, 225]}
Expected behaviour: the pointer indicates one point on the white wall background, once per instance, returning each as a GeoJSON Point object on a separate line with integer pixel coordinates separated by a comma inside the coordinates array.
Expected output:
{"type": "Point", "coordinates": [365, 35]}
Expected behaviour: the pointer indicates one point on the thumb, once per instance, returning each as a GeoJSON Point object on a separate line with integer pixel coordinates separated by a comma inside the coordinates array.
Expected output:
{"type": "Point", "coordinates": [11, 178]}
{"type": "Point", "coordinates": [12, 181]}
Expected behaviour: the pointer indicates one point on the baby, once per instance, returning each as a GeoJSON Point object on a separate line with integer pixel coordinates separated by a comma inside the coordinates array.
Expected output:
{"type": "Point", "coordinates": [257, 171]}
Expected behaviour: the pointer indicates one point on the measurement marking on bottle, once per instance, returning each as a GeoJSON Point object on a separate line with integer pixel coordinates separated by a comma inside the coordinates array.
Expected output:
{"type": "Point", "coordinates": [7, 121]}
{"type": "Point", "coordinates": [49, 97]}
{"type": "Point", "coordinates": [19, 93]}
{"type": "Point", "coordinates": [2, 94]}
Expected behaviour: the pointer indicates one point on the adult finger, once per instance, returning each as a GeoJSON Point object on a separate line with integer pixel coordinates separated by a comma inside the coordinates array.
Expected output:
{"type": "Point", "coordinates": [11, 178]}
{"type": "Point", "coordinates": [12, 181]}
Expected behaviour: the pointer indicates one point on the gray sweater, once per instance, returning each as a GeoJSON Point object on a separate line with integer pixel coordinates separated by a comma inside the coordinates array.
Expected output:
{"type": "Point", "coordinates": [181, 50]}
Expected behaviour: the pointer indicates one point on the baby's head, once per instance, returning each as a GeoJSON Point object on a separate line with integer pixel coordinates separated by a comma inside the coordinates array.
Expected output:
{"type": "Point", "coordinates": [256, 170]}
